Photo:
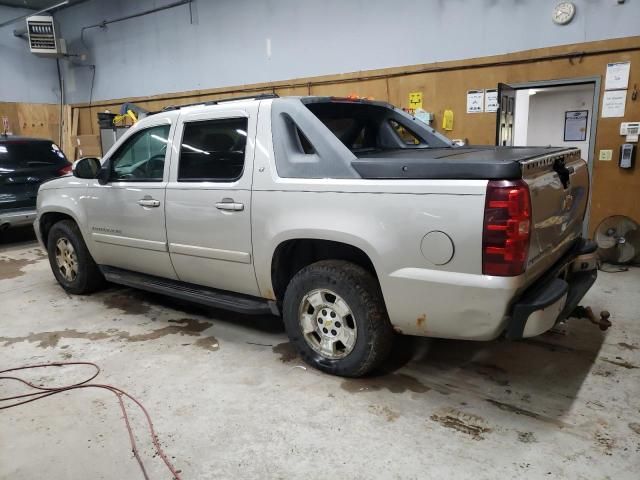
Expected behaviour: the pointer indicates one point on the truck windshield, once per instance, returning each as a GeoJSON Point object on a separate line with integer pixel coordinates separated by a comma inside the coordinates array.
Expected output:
{"type": "Point", "coordinates": [368, 126]}
{"type": "Point", "coordinates": [29, 153]}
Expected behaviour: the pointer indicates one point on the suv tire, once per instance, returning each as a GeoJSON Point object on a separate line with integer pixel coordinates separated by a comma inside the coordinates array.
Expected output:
{"type": "Point", "coordinates": [335, 316]}
{"type": "Point", "coordinates": [71, 261]}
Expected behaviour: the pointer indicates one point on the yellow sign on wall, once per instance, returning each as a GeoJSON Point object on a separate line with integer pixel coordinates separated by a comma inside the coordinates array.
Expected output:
{"type": "Point", "coordinates": [447, 120]}
{"type": "Point", "coordinates": [415, 101]}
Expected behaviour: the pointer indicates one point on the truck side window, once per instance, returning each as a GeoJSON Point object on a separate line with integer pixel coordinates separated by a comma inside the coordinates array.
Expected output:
{"type": "Point", "coordinates": [213, 150]}
{"type": "Point", "coordinates": [141, 157]}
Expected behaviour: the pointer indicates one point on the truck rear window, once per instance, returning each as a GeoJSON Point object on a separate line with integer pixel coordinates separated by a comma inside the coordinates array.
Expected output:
{"type": "Point", "coordinates": [369, 126]}
{"type": "Point", "coordinates": [29, 154]}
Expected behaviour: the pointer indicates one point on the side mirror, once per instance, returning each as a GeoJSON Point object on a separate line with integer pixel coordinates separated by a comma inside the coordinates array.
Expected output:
{"type": "Point", "coordinates": [87, 167]}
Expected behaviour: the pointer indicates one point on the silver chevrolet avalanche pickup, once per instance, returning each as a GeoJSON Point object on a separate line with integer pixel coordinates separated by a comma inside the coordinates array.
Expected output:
{"type": "Point", "coordinates": [349, 218]}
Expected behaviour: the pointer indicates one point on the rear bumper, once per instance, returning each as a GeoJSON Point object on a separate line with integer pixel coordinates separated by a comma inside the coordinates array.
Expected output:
{"type": "Point", "coordinates": [556, 294]}
{"type": "Point", "coordinates": [17, 218]}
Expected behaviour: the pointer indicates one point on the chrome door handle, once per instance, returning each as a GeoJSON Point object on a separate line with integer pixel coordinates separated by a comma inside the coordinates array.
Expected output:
{"type": "Point", "coordinates": [229, 205]}
{"type": "Point", "coordinates": [148, 202]}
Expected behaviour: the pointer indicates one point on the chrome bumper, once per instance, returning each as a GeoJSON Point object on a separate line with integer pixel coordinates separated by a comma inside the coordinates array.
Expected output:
{"type": "Point", "coordinates": [17, 218]}
{"type": "Point", "coordinates": [555, 295]}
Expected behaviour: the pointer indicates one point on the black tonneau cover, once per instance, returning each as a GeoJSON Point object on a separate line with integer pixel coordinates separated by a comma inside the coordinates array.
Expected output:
{"type": "Point", "coordinates": [460, 163]}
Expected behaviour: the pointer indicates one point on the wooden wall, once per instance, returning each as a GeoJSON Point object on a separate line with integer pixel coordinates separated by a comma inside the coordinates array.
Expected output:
{"type": "Point", "coordinates": [41, 120]}
{"type": "Point", "coordinates": [444, 86]}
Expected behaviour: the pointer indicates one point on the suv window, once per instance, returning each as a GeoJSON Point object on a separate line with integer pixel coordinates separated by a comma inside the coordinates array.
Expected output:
{"type": "Point", "coordinates": [30, 154]}
{"type": "Point", "coordinates": [213, 150]}
{"type": "Point", "coordinates": [141, 158]}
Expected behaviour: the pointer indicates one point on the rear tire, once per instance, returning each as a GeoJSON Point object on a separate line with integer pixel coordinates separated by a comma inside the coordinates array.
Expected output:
{"type": "Point", "coordinates": [335, 316]}
{"type": "Point", "coordinates": [70, 260]}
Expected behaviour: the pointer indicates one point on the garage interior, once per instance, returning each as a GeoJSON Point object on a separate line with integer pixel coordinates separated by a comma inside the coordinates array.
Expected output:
{"type": "Point", "coordinates": [227, 393]}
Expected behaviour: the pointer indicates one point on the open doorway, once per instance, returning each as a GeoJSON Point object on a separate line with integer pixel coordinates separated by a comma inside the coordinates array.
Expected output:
{"type": "Point", "coordinates": [558, 116]}
{"type": "Point", "coordinates": [554, 112]}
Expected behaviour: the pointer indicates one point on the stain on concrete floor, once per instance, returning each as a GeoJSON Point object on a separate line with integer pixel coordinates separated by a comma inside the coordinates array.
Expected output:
{"type": "Point", "coordinates": [385, 412]}
{"type": "Point", "coordinates": [467, 423]}
{"type": "Point", "coordinates": [621, 363]}
{"type": "Point", "coordinates": [131, 303]}
{"type": "Point", "coordinates": [605, 442]}
{"type": "Point", "coordinates": [286, 351]}
{"type": "Point", "coordinates": [527, 437]}
{"type": "Point", "coordinates": [11, 267]}
{"type": "Point", "coordinates": [507, 407]}
{"type": "Point", "coordinates": [208, 343]}
{"type": "Point", "coordinates": [183, 326]}
{"type": "Point", "coordinates": [393, 382]}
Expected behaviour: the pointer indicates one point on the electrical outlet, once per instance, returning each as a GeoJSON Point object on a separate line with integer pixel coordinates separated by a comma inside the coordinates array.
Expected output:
{"type": "Point", "coordinates": [605, 155]}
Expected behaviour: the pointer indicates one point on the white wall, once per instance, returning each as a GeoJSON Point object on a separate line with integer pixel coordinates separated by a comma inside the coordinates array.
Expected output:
{"type": "Point", "coordinates": [227, 43]}
{"type": "Point", "coordinates": [546, 116]}
{"type": "Point", "coordinates": [23, 76]}
{"type": "Point", "coordinates": [521, 121]}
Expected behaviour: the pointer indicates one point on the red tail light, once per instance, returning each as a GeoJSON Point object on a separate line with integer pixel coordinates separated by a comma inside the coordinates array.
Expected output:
{"type": "Point", "coordinates": [507, 228]}
{"type": "Point", "coordinates": [67, 169]}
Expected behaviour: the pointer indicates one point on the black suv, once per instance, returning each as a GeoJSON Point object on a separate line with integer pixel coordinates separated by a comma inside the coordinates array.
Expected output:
{"type": "Point", "coordinates": [24, 164]}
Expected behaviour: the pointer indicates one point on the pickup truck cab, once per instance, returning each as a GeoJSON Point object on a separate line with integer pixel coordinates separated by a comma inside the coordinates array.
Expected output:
{"type": "Point", "coordinates": [349, 218]}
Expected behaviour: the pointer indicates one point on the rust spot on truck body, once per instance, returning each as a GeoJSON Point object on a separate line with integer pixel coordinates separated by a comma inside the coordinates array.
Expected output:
{"type": "Point", "coordinates": [421, 321]}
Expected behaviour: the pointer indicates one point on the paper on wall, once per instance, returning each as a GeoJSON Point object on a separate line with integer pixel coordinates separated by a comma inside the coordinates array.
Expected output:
{"type": "Point", "coordinates": [491, 100]}
{"type": "Point", "coordinates": [617, 76]}
{"type": "Point", "coordinates": [575, 125]}
{"type": "Point", "coordinates": [415, 101]}
{"type": "Point", "coordinates": [475, 101]}
{"type": "Point", "coordinates": [613, 103]}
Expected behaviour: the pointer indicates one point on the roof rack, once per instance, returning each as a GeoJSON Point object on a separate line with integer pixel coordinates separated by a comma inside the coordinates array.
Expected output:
{"type": "Point", "coordinates": [261, 96]}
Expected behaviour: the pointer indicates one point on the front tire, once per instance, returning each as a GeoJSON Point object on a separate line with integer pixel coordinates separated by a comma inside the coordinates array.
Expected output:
{"type": "Point", "coordinates": [70, 260]}
{"type": "Point", "coordinates": [335, 316]}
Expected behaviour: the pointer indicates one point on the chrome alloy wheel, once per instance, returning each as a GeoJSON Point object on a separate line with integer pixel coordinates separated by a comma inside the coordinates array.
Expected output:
{"type": "Point", "coordinates": [66, 259]}
{"type": "Point", "coordinates": [327, 324]}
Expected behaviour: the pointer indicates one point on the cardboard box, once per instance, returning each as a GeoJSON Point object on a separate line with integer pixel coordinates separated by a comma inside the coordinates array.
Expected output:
{"type": "Point", "coordinates": [89, 152]}
{"type": "Point", "coordinates": [88, 145]}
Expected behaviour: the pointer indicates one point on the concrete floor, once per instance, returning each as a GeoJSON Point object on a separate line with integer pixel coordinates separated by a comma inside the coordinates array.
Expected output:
{"type": "Point", "coordinates": [230, 399]}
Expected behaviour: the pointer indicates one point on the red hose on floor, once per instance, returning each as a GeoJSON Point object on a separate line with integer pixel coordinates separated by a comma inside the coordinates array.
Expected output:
{"type": "Point", "coordinates": [48, 391]}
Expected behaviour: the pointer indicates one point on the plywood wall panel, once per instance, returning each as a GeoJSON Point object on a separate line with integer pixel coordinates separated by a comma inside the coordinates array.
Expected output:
{"type": "Point", "coordinates": [41, 120]}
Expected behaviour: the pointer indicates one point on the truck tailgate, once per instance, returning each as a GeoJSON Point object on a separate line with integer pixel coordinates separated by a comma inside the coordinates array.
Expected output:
{"type": "Point", "coordinates": [559, 188]}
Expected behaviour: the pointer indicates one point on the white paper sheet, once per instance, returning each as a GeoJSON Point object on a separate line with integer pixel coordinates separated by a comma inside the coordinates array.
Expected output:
{"type": "Point", "coordinates": [617, 76]}
{"type": "Point", "coordinates": [475, 101]}
{"type": "Point", "coordinates": [575, 125]}
{"type": "Point", "coordinates": [613, 103]}
{"type": "Point", "coordinates": [491, 100]}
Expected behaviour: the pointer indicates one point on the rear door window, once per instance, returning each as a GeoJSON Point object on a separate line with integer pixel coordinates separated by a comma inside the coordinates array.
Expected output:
{"type": "Point", "coordinates": [30, 154]}
{"type": "Point", "coordinates": [213, 150]}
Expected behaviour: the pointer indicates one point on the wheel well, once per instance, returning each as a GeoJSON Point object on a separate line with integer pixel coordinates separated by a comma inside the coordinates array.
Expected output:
{"type": "Point", "coordinates": [47, 221]}
{"type": "Point", "coordinates": [293, 255]}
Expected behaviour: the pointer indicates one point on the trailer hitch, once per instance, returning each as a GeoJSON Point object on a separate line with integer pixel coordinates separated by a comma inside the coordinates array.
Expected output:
{"type": "Point", "coordinates": [586, 312]}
